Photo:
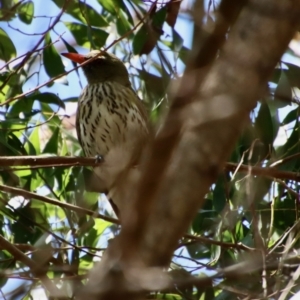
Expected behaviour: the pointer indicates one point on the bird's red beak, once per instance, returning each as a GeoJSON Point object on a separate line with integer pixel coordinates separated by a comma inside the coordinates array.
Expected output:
{"type": "Point", "coordinates": [79, 58]}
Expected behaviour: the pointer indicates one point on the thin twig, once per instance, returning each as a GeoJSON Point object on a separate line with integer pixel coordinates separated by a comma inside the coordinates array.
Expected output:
{"type": "Point", "coordinates": [47, 161]}
{"type": "Point", "coordinates": [20, 66]}
{"type": "Point", "coordinates": [30, 195]}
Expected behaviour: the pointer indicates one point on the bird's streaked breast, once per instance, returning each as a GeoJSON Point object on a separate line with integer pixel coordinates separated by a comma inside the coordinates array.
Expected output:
{"type": "Point", "coordinates": [109, 116]}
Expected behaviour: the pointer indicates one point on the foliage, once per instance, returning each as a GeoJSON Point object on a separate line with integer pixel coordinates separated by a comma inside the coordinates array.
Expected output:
{"type": "Point", "coordinates": [241, 208]}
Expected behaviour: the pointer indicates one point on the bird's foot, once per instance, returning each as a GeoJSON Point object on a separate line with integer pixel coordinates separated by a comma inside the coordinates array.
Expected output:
{"type": "Point", "coordinates": [99, 159]}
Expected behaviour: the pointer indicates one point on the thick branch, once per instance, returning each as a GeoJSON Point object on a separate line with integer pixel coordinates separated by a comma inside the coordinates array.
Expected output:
{"type": "Point", "coordinates": [191, 148]}
{"type": "Point", "coordinates": [212, 122]}
{"type": "Point", "coordinates": [64, 161]}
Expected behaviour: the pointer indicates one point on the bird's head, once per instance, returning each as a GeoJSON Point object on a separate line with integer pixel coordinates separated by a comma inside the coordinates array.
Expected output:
{"type": "Point", "coordinates": [105, 67]}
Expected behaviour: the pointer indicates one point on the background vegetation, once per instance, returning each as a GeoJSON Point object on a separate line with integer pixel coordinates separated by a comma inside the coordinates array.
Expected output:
{"type": "Point", "coordinates": [243, 241]}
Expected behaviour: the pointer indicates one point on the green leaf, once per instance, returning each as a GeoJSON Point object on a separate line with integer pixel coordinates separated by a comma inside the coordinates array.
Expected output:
{"type": "Point", "coordinates": [13, 141]}
{"type": "Point", "coordinates": [71, 99]}
{"type": "Point", "coordinates": [47, 111]}
{"type": "Point", "coordinates": [59, 175]}
{"type": "Point", "coordinates": [276, 75]}
{"type": "Point", "coordinates": [7, 48]}
{"type": "Point", "coordinates": [159, 17]}
{"type": "Point", "coordinates": [184, 54]}
{"type": "Point", "coordinates": [147, 36]}
{"type": "Point", "coordinates": [283, 212]}
{"type": "Point", "coordinates": [264, 126]}
{"type": "Point", "coordinates": [121, 4]}
{"type": "Point", "coordinates": [26, 12]}
{"type": "Point", "coordinates": [225, 295]}
{"type": "Point", "coordinates": [24, 229]}
{"type": "Point", "coordinates": [293, 74]}
{"type": "Point", "coordinates": [139, 40]}
{"type": "Point", "coordinates": [52, 60]}
{"type": "Point", "coordinates": [99, 37]}
{"type": "Point", "coordinates": [283, 92]}
{"type": "Point", "coordinates": [155, 85]}
{"type": "Point", "coordinates": [90, 17]}
{"type": "Point", "coordinates": [203, 220]}
{"type": "Point", "coordinates": [80, 33]}
{"type": "Point", "coordinates": [117, 8]}
{"type": "Point", "coordinates": [40, 212]}
{"type": "Point", "coordinates": [22, 173]}
{"type": "Point", "coordinates": [123, 26]}
{"type": "Point", "coordinates": [69, 47]}
{"type": "Point", "coordinates": [168, 297]}
{"type": "Point", "coordinates": [165, 63]}
{"type": "Point", "coordinates": [8, 9]}
{"type": "Point", "coordinates": [15, 85]}
{"type": "Point", "coordinates": [219, 197]}
{"type": "Point", "coordinates": [53, 142]}
{"type": "Point", "coordinates": [86, 263]}
{"type": "Point", "coordinates": [11, 145]}
{"type": "Point", "coordinates": [291, 116]}
{"type": "Point", "coordinates": [273, 108]}
{"type": "Point", "coordinates": [109, 5]}
{"type": "Point", "coordinates": [291, 147]}
{"type": "Point", "coordinates": [49, 174]}
{"type": "Point", "coordinates": [90, 37]}
{"type": "Point", "coordinates": [23, 106]}
{"type": "Point", "coordinates": [64, 148]}
{"type": "Point", "coordinates": [33, 142]}
{"type": "Point", "coordinates": [3, 77]}
{"type": "Point", "coordinates": [177, 41]}
{"type": "Point", "coordinates": [50, 99]}
{"type": "Point", "coordinates": [83, 13]}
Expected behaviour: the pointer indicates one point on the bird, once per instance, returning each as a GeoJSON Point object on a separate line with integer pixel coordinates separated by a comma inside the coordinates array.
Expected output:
{"type": "Point", "coordinates": [111, 123]}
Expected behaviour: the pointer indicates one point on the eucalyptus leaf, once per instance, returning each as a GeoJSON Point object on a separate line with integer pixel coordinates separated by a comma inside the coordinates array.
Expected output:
{"type": "Point", "coordinates": [26, 12]}
{"type": "Point", "coordinates": [52, 60]}
{"type": "Point", "coordinates": [264, 126]}
{"type": "Point", "coordinates": [83, 12]}
{"type": "Point", "coordinates": [53, 143]}
{"type": "Point", "coordinates": [219, 196]}
{"type": "Point", "coordinates": [7, 47]}
{"type": "Point", "coordinates": [81, 35]}
{"type": "Point", "coordinates": [291, 116]}
{"type": "Point", "coordinates": [283, 92]}
{"type": "Point", "coordinates": [49, 98]}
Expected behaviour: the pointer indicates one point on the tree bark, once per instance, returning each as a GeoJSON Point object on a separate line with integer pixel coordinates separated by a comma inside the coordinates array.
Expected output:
{"type": "Point", "coordinates": [190, 150]}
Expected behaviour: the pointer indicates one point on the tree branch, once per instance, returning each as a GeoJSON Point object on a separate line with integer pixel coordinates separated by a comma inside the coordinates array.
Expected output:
{"type": "Point", "coordinates": [30, 195]}
{"type": "Point", "coordinates": [47, 161]}
{"type": "Point", "coordinates": [65, 161]}
{"type": "Point", "coordinates": [191, 148]}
